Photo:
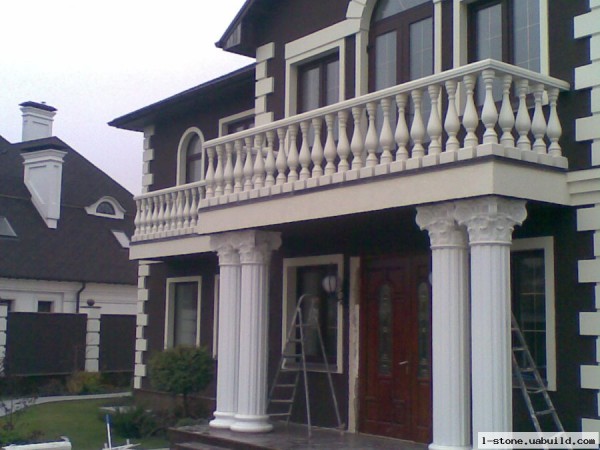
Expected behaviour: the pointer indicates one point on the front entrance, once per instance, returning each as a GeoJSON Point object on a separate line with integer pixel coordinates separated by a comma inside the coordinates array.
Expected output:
{"type": "Point", "coordinates": [395, 349]}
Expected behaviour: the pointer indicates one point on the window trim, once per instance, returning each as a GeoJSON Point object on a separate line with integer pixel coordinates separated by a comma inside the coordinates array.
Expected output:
{"type": "Point", "coordinates": [225, 122]}
{"type": "Point", "coordinates": [170, 308]}
{"type": "Point", "coordinates": [182, 154]}
{"type": "Point", "coordinates": [546, 244]}
{"type": "Point", "coordinates": [289, 303]}
{"type": "Point", "coordinates": [119, 210]}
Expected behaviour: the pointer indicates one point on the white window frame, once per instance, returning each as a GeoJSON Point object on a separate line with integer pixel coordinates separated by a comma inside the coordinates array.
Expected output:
{"type": "Point", "coordinates": [170, 308]}
{"type": "Point", "coordinates": [461, 33]}
{"type": "Point", "coordinates": [119, 210]}
{"type": "Point", "coordinates": [226, 121]}
{"type": "Point", "coordinates": [182, 153]}
{"type": "Point", "coordinates": [289, 302]}
{"type": "Point", "coordinates": [545, 243]}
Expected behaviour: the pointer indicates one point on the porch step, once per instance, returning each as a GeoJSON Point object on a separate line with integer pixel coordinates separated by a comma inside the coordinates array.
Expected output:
{"type": "Point", "coordinates": [197, 446]}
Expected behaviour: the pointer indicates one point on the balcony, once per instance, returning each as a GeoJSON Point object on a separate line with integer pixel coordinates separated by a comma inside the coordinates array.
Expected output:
{"type": "Point", "coordinates": [473, 113]}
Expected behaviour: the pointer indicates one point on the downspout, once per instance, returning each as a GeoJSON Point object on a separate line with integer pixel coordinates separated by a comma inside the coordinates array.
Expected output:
{"type": "Point", "coordinates": [78, 298]}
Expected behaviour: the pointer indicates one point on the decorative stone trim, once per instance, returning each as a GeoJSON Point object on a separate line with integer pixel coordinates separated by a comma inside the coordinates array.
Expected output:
{"type": "Point", "coordinates": [141, 343]}
{"type": "Point", "coordinates": [92, 338]}
{"type": "Point", "coordinates": [265, 85]}
{"type": "Point", "coordinates": [3, 323]}
{"type": "Point", "coordinates": [148, 156]}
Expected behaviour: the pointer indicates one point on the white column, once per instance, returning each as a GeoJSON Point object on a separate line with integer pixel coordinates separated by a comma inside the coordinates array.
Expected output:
{"type": "Point", "coordinates": [92, 336]}
{"type": "Point", "coordinates": [490, 222]}
{"type": "Point", "coordinates": [229, 324]}
{"type": "Point", "coordinates": [450, 328]}
{"type": "Point", "coordinates": [255, 252]}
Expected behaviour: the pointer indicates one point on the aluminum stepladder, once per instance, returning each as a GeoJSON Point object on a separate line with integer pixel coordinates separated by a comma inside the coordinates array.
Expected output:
{"type": "Point", "coordinates": [293, 363]}
{"type": "Point", "coordinates": [529, 381]}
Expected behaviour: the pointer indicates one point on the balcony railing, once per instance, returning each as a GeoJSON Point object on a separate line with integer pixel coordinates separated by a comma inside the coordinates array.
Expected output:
{"type": "Point", "coordinates": [469, 113]}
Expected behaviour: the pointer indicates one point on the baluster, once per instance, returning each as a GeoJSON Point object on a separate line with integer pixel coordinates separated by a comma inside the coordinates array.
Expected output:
{"type": "Point", "coordinates": [386, 138]}
{"type": "Point", "coordinates": [194, 207]}
{"type": "Point", "coordinates": [138, 217]}
{"type": "Point", "coordinates": [452, 122]}
{"type": "Point", "coordinates": [161, 213]}
{"type": "Point", "coordinates": [317, 150]}
{"type": "Point", "coordinates": [470, 119]}
{"type": "Point", "coordinates": [270, 161]}
{"type": "Point", "coordinates": [154, 217]}
{"type": "Point", "coordinates": [219, 173]}
{"type": "Point", "coordinates": [292, 160]}
{"type": "Point", "coordinates": [179, 199]}
{"type": "Point", "coordinates": [259, 162]}
{"type": "Point", "coordinates": [357, 144]}
{"type": "Point", "coordinates": [210, 173]}
{"type": "Point", "coordinates": [417, 129]}
{"type": "Point", "coordinates": [434, 125]}
{"type": "Point", "coordinates": [554, 128]}
{"type": "Point", "coordinates": [186, 208]}
{"type": "Point", "coordinates": [228, 173]}
{"type": "Point", "coordinates": [372, 141]}
{"type": "Point", "coordinates": [281, 161]}
{"type": "Point", "coordinates": [304, 156]}
{"type": "Point", "coordinates": [238, 171]}
{"type": "Point", "coordinates": [248, 165]}
{"type": "Point", "coordinates": [174, 212]}
{"type": "Point", "coordinates": [330, 150]}
{"type": "Point", "coordinates": [489, 113]}
{"type": "Point", "coordinates": [538, 125]}
{"type": "Point", "coordinates": [506, 119]}
{"type": "Point", "coordinates": [147, 217]}
{"type": "Point", "coordinates": [402, 136]}
{"type": "Point", "coordinates": [523, 121]}
{"type": "Point", "coordinates": [343, 147]}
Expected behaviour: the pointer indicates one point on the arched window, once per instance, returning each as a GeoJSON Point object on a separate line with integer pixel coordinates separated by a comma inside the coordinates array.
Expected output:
{"type": "Point", "coordinates": [190, 159]}
{"type": "Point", "coordinates": [401, 42]}
{"type": "Point", "coordinates": [105, 208]}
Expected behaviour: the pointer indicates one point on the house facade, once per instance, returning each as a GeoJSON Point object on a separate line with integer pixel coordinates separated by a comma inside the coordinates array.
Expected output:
{"type": "Point", "coordinates": [438, 159]}
{"type": "Point", "coordinates": [64, 226]}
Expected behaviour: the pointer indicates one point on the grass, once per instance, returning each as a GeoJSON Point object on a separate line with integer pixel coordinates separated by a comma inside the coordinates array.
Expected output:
{"type": "Point", "coordinates": [80, 420]}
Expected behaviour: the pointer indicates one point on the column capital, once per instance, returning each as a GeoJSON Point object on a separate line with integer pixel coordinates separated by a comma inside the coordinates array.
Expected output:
{"type": "Point", "coordinates": [490, 220]}
{"type": "Point", "coordinates": [255, 247]}
{"type": "Point", "coordinates": [439, 221]}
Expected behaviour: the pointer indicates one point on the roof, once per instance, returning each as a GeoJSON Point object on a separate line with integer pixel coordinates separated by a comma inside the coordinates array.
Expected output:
{"type": "Point", "coordinates": [83, 247]}
{"type": "Point", "coordinates": [196, 96]}
{"type": "Point", "coordinates": [239, 37]}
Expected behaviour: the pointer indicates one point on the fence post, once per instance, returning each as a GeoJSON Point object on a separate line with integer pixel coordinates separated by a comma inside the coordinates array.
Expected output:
{"type": "Point", "coordinates": [92, 336]}
{"type": "Point", "coordinates": [3, 325]}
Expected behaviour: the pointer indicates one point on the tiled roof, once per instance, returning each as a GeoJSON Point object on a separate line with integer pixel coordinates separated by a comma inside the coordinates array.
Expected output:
{"type": "Point", "coordinates": [83, 247]}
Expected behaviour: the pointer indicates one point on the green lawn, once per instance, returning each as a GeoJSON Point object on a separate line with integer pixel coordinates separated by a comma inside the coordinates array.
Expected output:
{"type": "Point", "coordinates": [79, 420]}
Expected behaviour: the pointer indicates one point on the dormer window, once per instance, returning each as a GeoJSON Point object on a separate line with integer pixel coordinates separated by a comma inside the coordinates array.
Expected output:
{"type": "Point", "coordinates": [6, 230]}
{"type": "Point", "coordinates": [106, 207]}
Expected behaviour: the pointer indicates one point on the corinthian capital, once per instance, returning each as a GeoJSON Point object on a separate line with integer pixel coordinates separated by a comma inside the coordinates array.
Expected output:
{"type": "Point", "coordinates": [490, 220]}
{"type": "Point", "coordinates": [439, 221]}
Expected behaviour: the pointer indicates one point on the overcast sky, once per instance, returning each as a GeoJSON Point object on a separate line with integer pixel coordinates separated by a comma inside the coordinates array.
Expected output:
{"type": "Point", "coordinates": [95, 61]}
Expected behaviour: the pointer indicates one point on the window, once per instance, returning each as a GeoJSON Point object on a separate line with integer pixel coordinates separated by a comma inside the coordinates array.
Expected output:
{"type": "Point", "coordinates": [6, 229]}
{"type": "Point", "coordinates": [182, 318]}
{"type": "Point", "coordinates": [532, 283]}
{"type": "Point", "coordinates": [8, 302]}
{"type": "Point", "coordinates": [190, 160]}
{"type": "Point", "coordinates": [236, 122]}
{"type": "Point", "coordinates": [400, 42]}
{"type": "Point", "coordinates": [318, 83]}
{"type": "Point", "coordinates": [240, 125]}
{"type": "Point", "coordinates": [105, 208]}
{"type": "Point", "coordinates": [305, 276]}
{"type": "Point", "coordinates": [44, 306]}
{"type": "Point", "coordinates": [506, 30]}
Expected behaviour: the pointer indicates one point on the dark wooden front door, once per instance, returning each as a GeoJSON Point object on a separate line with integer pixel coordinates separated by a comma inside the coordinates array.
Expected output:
{"type": "Point", "coordinates": [395, 349]}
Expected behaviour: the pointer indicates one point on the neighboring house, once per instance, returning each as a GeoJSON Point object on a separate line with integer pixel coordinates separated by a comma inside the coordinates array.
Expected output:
{"type": "Point", "coordinates": [438, 157]}
{"type": "Point", "coordinates": [64, 226]}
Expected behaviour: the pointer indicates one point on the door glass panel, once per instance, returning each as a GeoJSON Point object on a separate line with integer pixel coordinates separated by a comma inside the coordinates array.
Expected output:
{"type": "Point", "coordinates": [488, 22]}
{"type": "Point", "coordinates": [526, 19]}
{"type": "Point", "coordinates": [421, 48]}
{"type": "Point", "coordinates": [186, 313]}
{"type": "Point", "coordinates": [385, 330]}
{"type": "Point", "coordinates": [424, 319]}
{"type": "Point", "coordinates": [310, 89]}
{"type": "Point", "coordinates": [385, 60]}
{"type": "Point", "coordinates": [332, 83]}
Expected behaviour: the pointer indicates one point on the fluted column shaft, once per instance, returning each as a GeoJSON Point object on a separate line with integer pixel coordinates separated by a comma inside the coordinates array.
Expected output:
{"type": "Point", "coordinates": [490, 222]}
{"type": "Point", "coordinates": [450, 328]}
{"type": "Point", "coordinates": [255, 251]}
{"type": "Point", "coordinates": [228, 338]}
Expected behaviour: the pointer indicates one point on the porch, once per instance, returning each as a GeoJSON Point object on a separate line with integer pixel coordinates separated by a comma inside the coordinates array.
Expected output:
{"type": "Point", "coordinates": [292, 436]}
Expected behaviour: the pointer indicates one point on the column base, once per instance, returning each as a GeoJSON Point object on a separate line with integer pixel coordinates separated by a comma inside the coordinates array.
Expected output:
{"type": "Point", "coordinates": [222, 420]}
{"type": "Point", "coordinates": [448, 447]}
{"type": "Point", "coordinates": [251, 424]}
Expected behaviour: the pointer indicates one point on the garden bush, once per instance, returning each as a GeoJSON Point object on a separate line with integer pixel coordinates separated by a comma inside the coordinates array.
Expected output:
{"type": "Point", "coordinates": [85, 383]}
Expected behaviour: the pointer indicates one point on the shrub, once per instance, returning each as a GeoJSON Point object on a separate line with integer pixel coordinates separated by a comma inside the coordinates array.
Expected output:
{"type": "Point", "coordinates": [133, 422]}
{"type": "Point", "coordinates": [84, 383]}
{"type": "Point", "coordinates": [181, 371]}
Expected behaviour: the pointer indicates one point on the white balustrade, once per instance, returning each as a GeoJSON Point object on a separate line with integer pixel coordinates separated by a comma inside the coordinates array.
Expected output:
{"type": "Point", "coordinates": [434, 120]}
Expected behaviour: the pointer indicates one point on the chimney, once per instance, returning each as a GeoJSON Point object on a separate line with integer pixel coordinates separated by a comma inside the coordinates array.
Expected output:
{"type": "Point", "coordinates": [37, 120]}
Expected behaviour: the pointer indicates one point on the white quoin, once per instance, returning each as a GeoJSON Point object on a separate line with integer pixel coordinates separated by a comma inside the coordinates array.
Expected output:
{"type": "Point", "coordinates": [43, 178]}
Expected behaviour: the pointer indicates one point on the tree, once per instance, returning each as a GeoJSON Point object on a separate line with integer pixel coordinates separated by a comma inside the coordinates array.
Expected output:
{"type": "Point", "coordinates": [181, 371]}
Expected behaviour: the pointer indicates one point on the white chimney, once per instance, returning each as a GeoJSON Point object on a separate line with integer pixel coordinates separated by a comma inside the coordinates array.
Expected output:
{"type": "Point", "coordinates": [37, 120]}
{"type": "Point", "coordinates": [43, 178]}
